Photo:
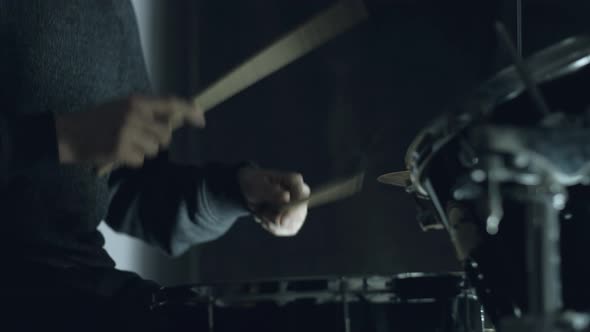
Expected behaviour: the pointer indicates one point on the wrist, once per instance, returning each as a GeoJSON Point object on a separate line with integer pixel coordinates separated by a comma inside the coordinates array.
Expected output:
{"type": "Point", "coordinates": [223, 189]}
{"type": "Point", "coordinates": [244, 175]}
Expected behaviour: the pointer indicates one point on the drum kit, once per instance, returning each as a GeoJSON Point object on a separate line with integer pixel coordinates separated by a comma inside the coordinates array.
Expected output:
{"type": "Point", "coordinates": [407, 302]}
{"type": "Point", "coordinates": [505, 173]}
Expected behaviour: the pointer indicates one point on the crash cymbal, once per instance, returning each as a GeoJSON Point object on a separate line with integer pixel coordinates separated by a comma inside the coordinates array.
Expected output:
{"type": "Point", "coordinates": [400, 179]}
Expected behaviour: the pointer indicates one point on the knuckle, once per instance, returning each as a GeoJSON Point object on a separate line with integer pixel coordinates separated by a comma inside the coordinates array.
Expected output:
{"type": "Point", "coordinates": [124, 133]}
{"type": "Point", "coordinates": [138, 161]}
{"type": "Point", "coordinates": [295, 177]}
{"type": "Point", "coordinates": [154, 150]}
{"type": "Point", "coordinates": [292, 229]}
{"type": "Point", "coordinates": [197, 110]}
{"type": "Point", "coordinates": [149, 152]}
{"type": "Point", "coordinates": [166, 139]}
{"type": "Point", "coordinates": [119, 152]}
{"type": "Point", "coordinates": [131, 162]}
{"type": "Point", "coordinates": [172, 102]}
{"type": "Point", "coordinates": [306, 191]}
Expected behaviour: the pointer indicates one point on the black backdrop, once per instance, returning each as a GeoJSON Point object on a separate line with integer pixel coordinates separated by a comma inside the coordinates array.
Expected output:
{"type": "Point", "coordinates": [393, 73]}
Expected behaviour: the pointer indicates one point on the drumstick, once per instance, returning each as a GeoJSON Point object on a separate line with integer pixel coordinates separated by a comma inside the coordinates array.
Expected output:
{"type": "Point", "coordinates": [312, 34]}
{"type": "Point", "coordinates": [331, 192]}
{"type": "Point", "coordinates": [317, 31]}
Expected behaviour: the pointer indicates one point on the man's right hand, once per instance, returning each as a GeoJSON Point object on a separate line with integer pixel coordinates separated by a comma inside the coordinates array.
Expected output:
{"type": "Point", "coordinates": [123, 132]}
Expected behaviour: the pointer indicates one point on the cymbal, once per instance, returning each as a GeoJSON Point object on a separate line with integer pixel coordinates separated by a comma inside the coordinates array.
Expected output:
{"type": "Point", "coordinates": [400, 179]}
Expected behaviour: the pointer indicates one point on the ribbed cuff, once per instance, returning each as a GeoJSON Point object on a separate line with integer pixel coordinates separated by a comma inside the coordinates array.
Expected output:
{"type": "Point", "coordinates": [223, 185]}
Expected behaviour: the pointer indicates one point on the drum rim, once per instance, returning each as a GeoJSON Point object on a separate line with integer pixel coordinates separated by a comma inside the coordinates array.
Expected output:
{"type": "Point", "coordinates": [392, 290]}
{"type": "Point", "coordinates": [336, 277]}
{"type": "Point", "coordinates": [553, 62]}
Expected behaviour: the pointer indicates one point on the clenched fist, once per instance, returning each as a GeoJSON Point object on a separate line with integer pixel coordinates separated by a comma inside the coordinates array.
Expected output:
{"type": "Point", "coordinates": [277, 199]}
{"type": "Point", "coordinates": [123, 132]}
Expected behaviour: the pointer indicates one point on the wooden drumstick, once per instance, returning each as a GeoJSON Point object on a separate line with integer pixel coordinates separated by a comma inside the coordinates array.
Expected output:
{"type": "Point", "coordinates": [312, 34]}
{"type": "Point", "coordinates": [320, 29]}
{"type": "Point", "coordinates": [331, 192]}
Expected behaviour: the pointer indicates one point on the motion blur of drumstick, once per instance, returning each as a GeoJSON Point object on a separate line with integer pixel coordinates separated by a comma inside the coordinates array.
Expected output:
{"type": "Point", "coordinates": [320, 29]}
{"type": "Point", "coordinates": [332, 192]}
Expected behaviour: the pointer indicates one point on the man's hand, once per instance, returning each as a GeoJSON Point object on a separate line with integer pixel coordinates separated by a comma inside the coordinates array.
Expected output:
{"type": "Point", "coordinates": [277, 199]}
{"type": "Point", "coordinates": [123, 132]}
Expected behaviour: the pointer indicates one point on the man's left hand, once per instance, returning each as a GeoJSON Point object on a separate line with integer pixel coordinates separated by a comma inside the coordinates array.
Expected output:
{"type": "Point", "coordinates": [277, 199]}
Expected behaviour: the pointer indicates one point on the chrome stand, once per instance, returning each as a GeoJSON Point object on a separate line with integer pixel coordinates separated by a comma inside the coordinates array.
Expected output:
{"type": "Point", "coordinates": [515, 170]}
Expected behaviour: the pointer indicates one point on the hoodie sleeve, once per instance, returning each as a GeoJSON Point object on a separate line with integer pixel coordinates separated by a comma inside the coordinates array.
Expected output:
{"type": "Point", "coordinates": [175, 206]}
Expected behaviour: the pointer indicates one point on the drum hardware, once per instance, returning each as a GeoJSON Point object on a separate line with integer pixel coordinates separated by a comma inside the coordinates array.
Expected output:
{"type": "Point", "coordinates": [495, 208]}
{"type": "Point", "coordinates": [517, 173]}
{"type": "Point", "coordinates": [406, 302]}
{"type": "Point", "coordinates": [437, 203]}
{"type": "Point", "coordinates": [545, 200]}
{"type": "Point", "coordinates": [561, 152]}
{"type": "Point", "coordinates": [464, 235]}
{"type": "Point", "coordinates": [210, 314]}
{"type": "Point", "coordinates": [425, 215]}
{"type": "Point", "coordinates": [468, 157]}
{"type": "Point", "coordinates": [519, 19]}
{"type": "Point", "coordinates": [512, 155]}
{"type": "Point", "coordinates": [523, 72]}
{"type": "Point", "coordinates": [542, 250]}
{"type": "Point", "coordinates": [468, 187]}
{"type": "Point", "coordinates": [345, 307]}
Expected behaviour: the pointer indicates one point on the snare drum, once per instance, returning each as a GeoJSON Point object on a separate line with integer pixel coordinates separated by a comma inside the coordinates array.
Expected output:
{"type": "Point", "coordinates": [409, 302]}
{"type": "Point", "coordinates": [444, 162]}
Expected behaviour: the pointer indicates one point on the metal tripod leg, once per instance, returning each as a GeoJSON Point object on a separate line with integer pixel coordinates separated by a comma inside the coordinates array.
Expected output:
{"type": "Point", "coordinates": [543, 262]}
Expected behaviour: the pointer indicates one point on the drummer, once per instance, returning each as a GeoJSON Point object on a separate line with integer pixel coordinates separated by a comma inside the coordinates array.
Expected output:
{"type": "Point", "coordinates": [76, 99]}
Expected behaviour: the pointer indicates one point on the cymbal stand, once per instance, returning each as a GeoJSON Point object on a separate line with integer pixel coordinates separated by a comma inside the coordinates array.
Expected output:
{"type": "Point", "coordinates": [513, 173]}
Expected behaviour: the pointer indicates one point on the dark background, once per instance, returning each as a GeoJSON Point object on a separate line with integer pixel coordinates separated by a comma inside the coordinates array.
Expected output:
{"type": "Point", "coordinates": [392, 74]}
